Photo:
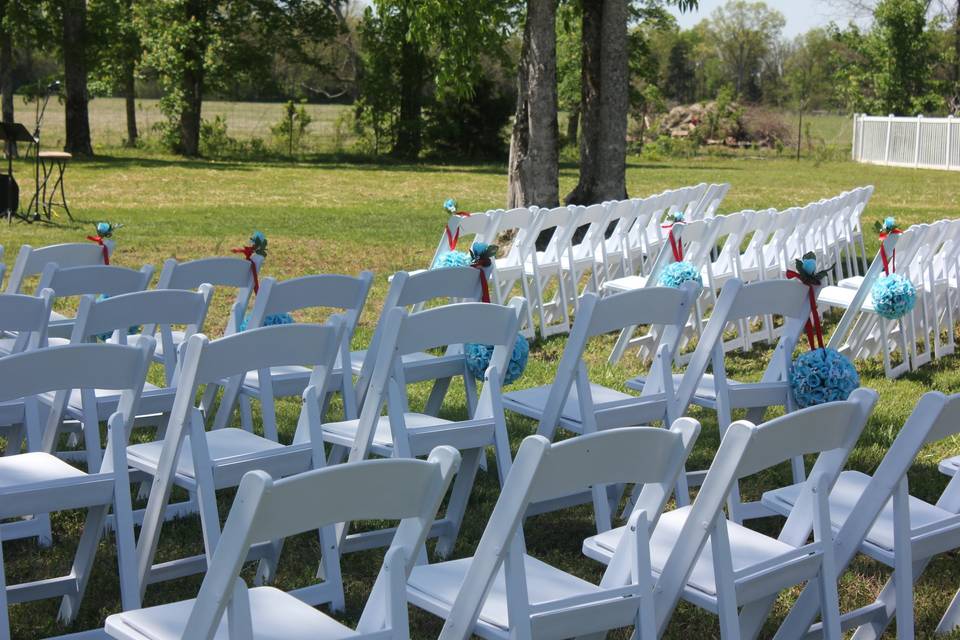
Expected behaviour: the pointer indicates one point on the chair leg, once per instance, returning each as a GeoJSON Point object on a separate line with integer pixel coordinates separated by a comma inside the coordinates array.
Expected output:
{"type": "Point", "coordinates": [4, 616]}
{"type": "Point", "coordinates": [874, 629]}
{"type": "Point", "coordinates": [459, 496]}
{"type": "Point", "coordinates": [246, 413]}
{"type": "Point", "coordinates": [83, 562]}
{"type": "Point", "coordinates": [951, 617]}
{"type": "Point", "coordinates": [437, 393]}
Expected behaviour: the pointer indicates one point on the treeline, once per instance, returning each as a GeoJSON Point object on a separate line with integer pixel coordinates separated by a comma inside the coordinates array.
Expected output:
{"type": "Point", "coordinates": [447, 78]}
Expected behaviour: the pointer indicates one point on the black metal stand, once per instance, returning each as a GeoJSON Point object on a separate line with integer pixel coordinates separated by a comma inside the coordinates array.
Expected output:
{"type": "Point", "coordinates": [35, 202]}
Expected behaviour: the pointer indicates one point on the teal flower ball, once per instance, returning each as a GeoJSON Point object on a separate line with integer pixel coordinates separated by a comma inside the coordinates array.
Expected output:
{"type": "Point", "coordinates": [676, 273]}
{"type": "Point", "coordinates": [270, 320]}
{"type": "Point", "coordinates": [478, 359]}
{"type": "Point", "coordinates": [894, 296]}
{"type": "Point", "coordinates": [822, 375]}
{"type": "Point", "coordinates": [452, 259]}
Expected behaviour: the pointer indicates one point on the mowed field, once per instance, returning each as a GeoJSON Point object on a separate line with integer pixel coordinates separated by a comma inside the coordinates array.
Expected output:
{"type": "Point", "coordinates": [345, 218]}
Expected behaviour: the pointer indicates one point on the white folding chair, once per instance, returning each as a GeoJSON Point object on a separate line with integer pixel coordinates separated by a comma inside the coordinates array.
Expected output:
{"type": "Point", "coordinates": [545, 268]}
{"type": "Point", "coordinates": [266, 509]}
{"type": "Point", "coordinates": [102, 280]}
{"type": "Point", "coordinates": [221, 272]}
{"type": "Point", "coordinates": [23, 325]}
{"type": "Point", "coordinates": [203, 462]}
{"type": "Point", "coordinates": [403, 433]}
{"type": "Point", "coordinates": [742, 566]}
{"type": "Point", "coordinates": [114, 316]}
{"type": "Point", "coordinates": [502, 592]}
{"type": "Point", "coordinates": [321, 291]}
{"type": "Point", "coordinates": [412, 290]}
{"type": "Point", "coordinates": [782, 298]}
{"type": "Point", "coordinates": [574, 402]}
{"type": "Point", "coordinates": [40, 482]}
{"type": "Point", "coordinates": [31, 262]}
{"type": "Point", "coordinates": [509, 269]}
{"type": "Point", "coordinates": [470, 228]}
{"type": "Point", "coordinates": [589, 254]}
{"type": "Point", "coordinates": [877, 516]}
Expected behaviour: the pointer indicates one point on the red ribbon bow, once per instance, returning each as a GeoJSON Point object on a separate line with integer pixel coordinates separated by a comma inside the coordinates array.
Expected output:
{"type": "Point", "coordinates": [453, 238]}
{"type": "Point", "coordinates": [103, 248]}
{"type": "Point", "coordinates": [248, 254]}
{"type": "Point", "coordinates": [890, 265]}
{"type": "Point", "coordinates": [675, 245]}
{"type": "Point", "coordinates": [813, 328]}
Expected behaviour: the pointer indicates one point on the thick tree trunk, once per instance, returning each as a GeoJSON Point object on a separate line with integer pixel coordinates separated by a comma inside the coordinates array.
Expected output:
{"type": "Point", "coordinates": [534, 153]}
{"type": "Point", "coordinates": [75, 78]}
{"type": "Point", "coordinates": [6, 83]}
{"type": "Point", "coordinates": [129, 94]}
{"type": "Point", "coordinates": [191, 85]}
{"type": "Point", "coordinates": [603, 103]}
{"type": "Point", "coordinates": [410, 123]}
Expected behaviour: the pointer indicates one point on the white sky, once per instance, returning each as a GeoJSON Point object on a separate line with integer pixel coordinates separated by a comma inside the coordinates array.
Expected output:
{"type": "Point", "coordinates": [801, 15]}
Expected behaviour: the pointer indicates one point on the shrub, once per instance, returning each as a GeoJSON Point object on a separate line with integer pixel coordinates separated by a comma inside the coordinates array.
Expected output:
{"type": "Point", "coordinates": [472, 128]}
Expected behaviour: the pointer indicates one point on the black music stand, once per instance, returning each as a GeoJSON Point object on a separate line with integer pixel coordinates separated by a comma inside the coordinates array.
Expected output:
{"type": "Point", "coordinates": [12, 132]}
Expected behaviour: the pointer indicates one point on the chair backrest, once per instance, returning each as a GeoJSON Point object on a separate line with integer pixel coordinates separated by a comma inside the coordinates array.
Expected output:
{"type": "Point", "coordinates": [521, 222]}
{"type": "Point", "coordinates": [563, 222]}
{"type": "Point", "coordinates": [455, 284]}
{"type": "Point", "coordinates": [464, 228]}
{"type": "Point", "coordinates": [84, 367]}
{"type": "Point", "coordinates": [31, 262]}
{"type": "Point", "coordinates": [710, 203]}
{"type": "Point", "coordinates": [107, 280]}
{"type": "Point", "coordinates": [219, 271]}
{"type": "Point", "coordinates": [542, 471]}
{"type": "Point", "coordinates": [404, 333]}
{"type": "Point", "coordinates": [153, 309]}
{"type": "Point", "coordinates": [786, 298]}
{"type": "Point", "coordinates": [662, 306]}
{"type": "Point", "coordinates": [267, 509]}
{"type": "Point", "coordinates": [595, 218]}
{"type": "Point", "coordinates": [27, 317]}
{"type": "Point", "coordinates": [830, 430]}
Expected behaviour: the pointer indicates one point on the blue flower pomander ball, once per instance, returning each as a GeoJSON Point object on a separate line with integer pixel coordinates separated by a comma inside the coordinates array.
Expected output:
{"type": "Point", "coordinates": [276, 318]}
{"type": "Point", "coordinates": [893, 296]}
{"type": "Point", "coordinates": [822, 375]}
{"type": "Point", "coordinates": [452, 259]}
{"type": "Point", "coordinates": [478, 359]}
{"type": "Point", "coordinates": [676, 273]}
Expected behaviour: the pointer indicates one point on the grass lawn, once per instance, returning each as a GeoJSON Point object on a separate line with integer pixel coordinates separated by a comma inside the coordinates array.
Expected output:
{"type": "Point", "coordinates": [338, 217]}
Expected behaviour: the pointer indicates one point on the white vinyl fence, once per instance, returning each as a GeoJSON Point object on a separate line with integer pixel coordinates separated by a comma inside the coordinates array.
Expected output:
{"type": "Point", "coordinates": [930, 143]}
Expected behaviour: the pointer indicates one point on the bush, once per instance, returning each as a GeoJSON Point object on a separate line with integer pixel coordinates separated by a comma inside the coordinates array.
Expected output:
{"type": "Point", "coordinates": [290, 130]}
{"type": "Point", "coordinates": [472, 128]}
{"type": "Point", "coordinates": [765, 127]}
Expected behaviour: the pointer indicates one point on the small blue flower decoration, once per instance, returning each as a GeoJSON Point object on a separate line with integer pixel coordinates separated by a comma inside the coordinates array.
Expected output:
{"type": "Point", "coordinates": [676, 273]}
{"type": "Point", "coordinates": [893, 296]}
{"type": "Point", "coordinates": [275, 318]}
{"type": "Point", "coordinates": [478, 359]}
{"type": "Point", "coordinates": [452, 259]}
{"type": "Point", "coordinates": [810, 266]}
{"type": "Point", "coordinates": [450, 205]}
{"type": "Point", "coordinates": [675, 216]}
{"type": "Point", "coordinates": [890, 222]}
{"type": "Point", "coordinates": [822, 375]}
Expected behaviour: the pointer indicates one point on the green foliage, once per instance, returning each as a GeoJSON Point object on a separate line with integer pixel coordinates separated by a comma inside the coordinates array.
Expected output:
{"type": "Point", "coordinates": [471, 128]}
{"type": "Point", "coordinates": [743, 34]}
{"type": "Point", "coordinates": [290, 130]}
{"type": "Point", "coordinates": [889, 68]}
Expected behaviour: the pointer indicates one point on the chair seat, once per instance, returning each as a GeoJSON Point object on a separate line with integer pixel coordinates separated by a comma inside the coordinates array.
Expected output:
{"type": "Point", "coordinates": [344, 432]}
{"type": "Point", "coordinates": [629, 283]}
{"type": "Point", "coordinates": [275, 615]}
{"type": "Point", "coordinates": [11, 412]}
{"type": "Point", "coordinates": [853, 282]}
{"type": "Point", "coordinates": [153, 399]}
{"type": "Point", "coordinates": [748, 548]}
{"type": "Point", "coordinates": [223, 444]}
{"type": "Point", "coordinates": [531, 402]}
{"type": "Point", "coordinates": [842, 297]}
{"type": "Point", "coordinates": [178, 338]}
{"type": "Point", "coordinates": [6, 345]}
{"type": "Point", "coordinates": [850, 486]}
{"type": "Point", "coordinates": [29, 468]}
{"type": "Point", "coordinates": [435, 587]}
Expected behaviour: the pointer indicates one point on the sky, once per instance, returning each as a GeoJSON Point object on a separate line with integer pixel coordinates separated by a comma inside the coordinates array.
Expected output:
{"type": "Point", "coordinates": [801, 15]}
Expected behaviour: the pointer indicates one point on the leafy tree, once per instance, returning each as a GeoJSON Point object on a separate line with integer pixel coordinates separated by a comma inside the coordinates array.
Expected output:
{"type": "Point", "coordinates": [806, 73]}
{"type": "Point", "coordinates": [680, 78]}
{"type": "Point", "coordinates": [199, 46]}
{"type": "Point", "coordinates": [115, 52]}
{"type": "Point", "coordinates": [743, 34]}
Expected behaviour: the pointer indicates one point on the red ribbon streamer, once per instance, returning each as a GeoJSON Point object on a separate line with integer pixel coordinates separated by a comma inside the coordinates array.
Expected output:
{"type": "Point", "coordinates": [676, 246]}
{"type": "Point", "coordinates": [453, 238]}
{"type": "Point", "coordinates": [479, 265]}
{"type": "Point", "coordinates": [813, 328]}
{"type": "Point", "coordinates": [890, 265]}
{"type": "Point", "coordinates": [248, 255]}
{"type": "Point", "coordinates": [103, 248]}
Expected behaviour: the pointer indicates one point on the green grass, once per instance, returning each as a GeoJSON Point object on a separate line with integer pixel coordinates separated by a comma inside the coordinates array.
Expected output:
{"type": "Point", "coordinates": [339, 217]}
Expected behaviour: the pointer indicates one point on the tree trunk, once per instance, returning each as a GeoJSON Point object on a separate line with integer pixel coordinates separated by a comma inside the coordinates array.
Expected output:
{"type": "Point", "coordinates": [410, 123]}
{"type": "Point", "coordinates": [191, 84]}
{"type": "Point", "coordinates": [129, 94]}
{"type": "Point", "coordinates": [534, 153]}
{"type": "Point", "coordinates": [75, 78]}
{"type": "Point", "coordinates": [573, 125]}
{"type": "Point", "coordinates": [603, 103]}
{"type": "Point", "coordinates": [6, 83]}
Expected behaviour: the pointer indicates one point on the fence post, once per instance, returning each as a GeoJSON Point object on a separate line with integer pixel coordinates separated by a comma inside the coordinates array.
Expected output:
{"type": "Point", "coordinates": [916, 145]}
{"type": "Point", "coordinates": [853, 146]}
{"type": "Point", "coordinates": [949, 140]}
{"type": "Point", "coordinates": [886, 153]}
